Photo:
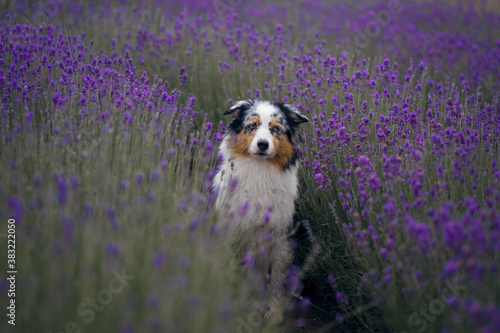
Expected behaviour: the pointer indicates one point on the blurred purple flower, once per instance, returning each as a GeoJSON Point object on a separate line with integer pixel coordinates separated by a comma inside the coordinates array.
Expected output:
{"type": "Point", "coordinates": [62, 188]}
{"type": "Point", "coordinates": [127, 118]}
{"type": "Point", "coordinates": [182, 75]}
{"type": "Point", "coordinates": [156, 175]}
{"type": "Point", "coordinates": [279, 28]}
{"type": "Point", "coordinates": [159, 259]}
{"type": "Point", "coordinates": [111, 215]}
{"type": "Point", "coordinates": [67, 226]}
{"type": "Point", "coordinates": [332, 281]}
{"type": "Point", "coordinates": [111, 248]}
{"type": "Point", "coordinates": [138, 178]}
{"type": "Point", "coordinates": [374, 181]}
{"type": "Point", "coordinates": [16, 208]}
{"type": "Point", "coordinates": [248, 258]}
{"type": "Point", "coordinates": [75, 181]}
{"type": "Point", "coordinates": [128, 328]}
{"type": "Point", "coordinates": [244, 208]}
{"type": "Point", "coordinates": [450, 268]}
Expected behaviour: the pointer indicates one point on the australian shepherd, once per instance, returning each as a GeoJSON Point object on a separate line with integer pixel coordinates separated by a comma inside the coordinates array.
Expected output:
{"type": "Point", "coordinates": [257, 187]}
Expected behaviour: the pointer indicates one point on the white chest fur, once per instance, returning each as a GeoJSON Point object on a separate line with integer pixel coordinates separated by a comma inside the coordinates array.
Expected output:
{"type": "Point", "coordinates": [260, 189]}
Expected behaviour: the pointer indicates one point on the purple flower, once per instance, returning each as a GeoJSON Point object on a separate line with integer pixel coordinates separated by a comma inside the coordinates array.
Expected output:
{"type": "Point", "coordinates": [374, 181]}
{"type": "Point", "coordinates": [248, 258]}
{"type": "Point", "coordinates": [421, 66]}
{"type": "Point", "coordinates": [196, 221]}
{"type": "Point", "coordinates": [332, 281]}
{"type": "Point", "coordinates": [318, 178]}
{"type": "Point", "coordinates": [88, 210]}
{"type": "Point", "coordinates": [138, 201]}
{"type": "Point", "coordinates": [364, 162]}
{"type": "Point", "coordinates": [16, 208]}
{"type": "Point", "coordinates": [208, 147]}
{"type": "Point", "coordinates": [67, 226]}
{"type": "Point", "coordinates": [111, 215]}
{"type": "Point", "coordinates": [182, 75]}
{"type": "Point", "coordinates": [450, 268]}
{"type": "Point", "coordinates": [383, 253]}
{"type": "Point", "coordinates": [127, 118]}
{"type": "Point", "coordinates": [340, 298]}
{"type": "Point", "coordinates": [138, 178]}
{"type": "Point", "coordinates": [421, 232]}
{"type": "Point", "coordinates": [390, 208]}
{"type": "Point", "coordinates": [105, 115]}
{"type": "Point", "coordinates": [153, 301]}
{"type": "Point", "coordinates": [111, 248]}
{"type": "Point", "coordinates": [29, 117]}
{"type": "Point", "coordinates": [75, 181]}
{"type": "Point", "coordinates": [440, 171]}
{"type": "Point", "coordinates": [62, 188]}
{"type": "Point", "coordinates": [304, 303]}
{"type": "Point", "coordinates": [128, 329]}
{"type": "Point", "coordinates": [233, 184]}
{"type": "Point", "coordinates": [159, 259]}
{"type": "Point", "coordinates": [244, 208]}
{"type": "Point", "coordinates": [156, 175]}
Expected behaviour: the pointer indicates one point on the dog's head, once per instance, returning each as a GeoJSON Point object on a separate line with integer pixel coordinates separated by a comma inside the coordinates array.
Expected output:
{"type": "Point", "coordinates": [265, 131]}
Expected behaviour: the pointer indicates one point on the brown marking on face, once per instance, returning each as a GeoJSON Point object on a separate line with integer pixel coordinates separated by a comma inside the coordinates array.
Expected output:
{"type": "Point", "coordinates": [282, 145]}
{"type": "Point", "coordinates": [242, 145]}
{"type": "Point", "coordinates": [275, 123]}
{"type": "Point", "coordinates": [243, 140]}
{"type": "Point", "coordinates": [254, 120]}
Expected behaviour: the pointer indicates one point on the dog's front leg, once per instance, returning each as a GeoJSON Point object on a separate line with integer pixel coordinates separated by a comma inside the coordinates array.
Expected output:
{"type": "Point", "coordinates": [279, 269]}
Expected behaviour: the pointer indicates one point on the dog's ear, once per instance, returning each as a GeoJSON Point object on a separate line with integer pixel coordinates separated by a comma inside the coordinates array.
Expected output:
{"type": "Point", "coordinates": [293, 114]}
{"type": "Point", "coordinates": [238, 107]}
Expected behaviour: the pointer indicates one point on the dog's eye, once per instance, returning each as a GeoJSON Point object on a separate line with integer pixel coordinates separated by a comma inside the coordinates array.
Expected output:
{"type": "Point", "coordinates": [252, 126]}
{"type": "Point", "coordinates": [275, 129]}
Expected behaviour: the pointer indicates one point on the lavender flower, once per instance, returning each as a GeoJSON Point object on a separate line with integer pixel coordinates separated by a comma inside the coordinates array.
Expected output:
{"type": "Point", "coordinates": [16, 208]}
{"type": "Point", "coordinates": [62, 188]}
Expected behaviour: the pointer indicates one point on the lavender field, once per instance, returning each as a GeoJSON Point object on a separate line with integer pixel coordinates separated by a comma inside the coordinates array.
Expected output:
{"type": "Point", "coordinates": [110, 122]}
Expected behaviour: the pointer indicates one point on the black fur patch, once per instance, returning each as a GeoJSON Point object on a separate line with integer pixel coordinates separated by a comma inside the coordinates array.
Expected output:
{"type": "Point", "coordinates": [292, 122]}
{"type": "Point", "coordinates": [238, 122]}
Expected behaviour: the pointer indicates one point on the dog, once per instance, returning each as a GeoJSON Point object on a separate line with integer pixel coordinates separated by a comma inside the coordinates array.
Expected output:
{"type": "Point", "coordinates": [256, 188]}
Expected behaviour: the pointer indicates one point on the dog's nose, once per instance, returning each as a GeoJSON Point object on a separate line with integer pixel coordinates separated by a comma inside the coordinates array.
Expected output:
{"type": "Point", "coordinates": [263, 145]}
